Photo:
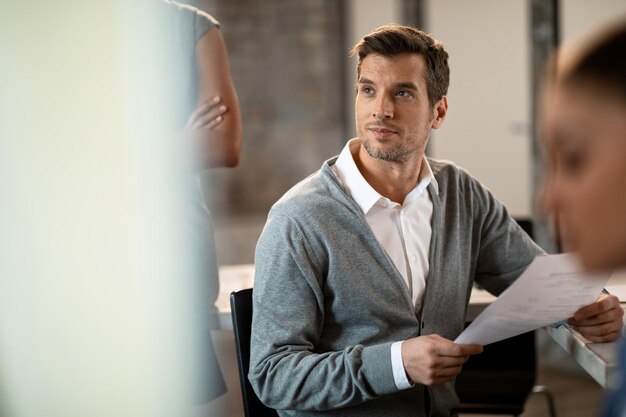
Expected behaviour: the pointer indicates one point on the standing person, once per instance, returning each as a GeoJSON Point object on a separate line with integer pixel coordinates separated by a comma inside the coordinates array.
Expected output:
{"type": "Point", "coordinates": [585, 139]}
{"type": "Point", "coordinates": [207, 109]}
{"type": "Point", "coordinates": [365, 268]}
{"type": "Point", "coordinates": [206, 114]}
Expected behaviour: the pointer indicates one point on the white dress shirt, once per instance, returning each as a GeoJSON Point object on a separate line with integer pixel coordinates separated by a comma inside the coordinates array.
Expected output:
{"type": "Point", "coordinates": [403, 231]}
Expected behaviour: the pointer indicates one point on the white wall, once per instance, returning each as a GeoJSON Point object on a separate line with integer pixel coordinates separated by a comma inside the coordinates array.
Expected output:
{"type": "Point", "coordinates": [487, 130]}
{"type": "Point", "coordinates": [363, 16]}
{"type": "Point", "coordinates": [582, 17]}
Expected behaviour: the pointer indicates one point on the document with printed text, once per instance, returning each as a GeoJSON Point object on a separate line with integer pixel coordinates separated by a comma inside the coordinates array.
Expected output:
{"type": "Point", "coordinates": [551, 289]}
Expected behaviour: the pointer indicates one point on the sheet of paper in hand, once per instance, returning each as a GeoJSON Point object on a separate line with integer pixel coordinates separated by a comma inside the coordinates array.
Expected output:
{"type": "Point", "coordinates": [552, 288]}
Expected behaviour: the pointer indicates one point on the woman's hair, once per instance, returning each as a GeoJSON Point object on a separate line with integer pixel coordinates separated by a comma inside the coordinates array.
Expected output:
{"type": "Point", "coordinates": [601, 64]}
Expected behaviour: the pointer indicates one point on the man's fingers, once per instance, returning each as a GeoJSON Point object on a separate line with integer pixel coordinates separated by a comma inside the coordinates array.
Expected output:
{"type": "Point", "coordinates": [603, 303]}
{"type": "Point", "coordinates": [458, 350]}
{"type": "Point", "coordinates": [443, 375]}
{"type": "Point", "coordinates": [432, 359]}
{"type": "Point", "coordinates": [604, 317]}
{"type": "Point", "coordinates": [449, 361]}
{"type": "Point", "coordinates": [609, 337]}
{"type": "Point", "coordinates": [588, 311]}
{"type": "Point", "coordinates": [600, 330]}
{"type": "Point", "coordinates": [601, 321]}
{"type": "Point", "coordinates": [449, 372]}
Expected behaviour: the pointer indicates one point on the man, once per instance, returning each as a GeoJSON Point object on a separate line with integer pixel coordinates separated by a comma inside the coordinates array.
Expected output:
{"type": "Point", "coordinates": [364, 269]}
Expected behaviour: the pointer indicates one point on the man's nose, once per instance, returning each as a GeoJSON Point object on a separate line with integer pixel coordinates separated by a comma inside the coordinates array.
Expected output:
{"type": "Point", "coordinates": [383, 108]}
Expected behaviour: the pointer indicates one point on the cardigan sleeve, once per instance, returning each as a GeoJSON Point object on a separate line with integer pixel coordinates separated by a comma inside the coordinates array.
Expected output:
{"type": "Point", "coordinates": [286, 369]}
{"type": "Point", "coordinates": [505, 250]}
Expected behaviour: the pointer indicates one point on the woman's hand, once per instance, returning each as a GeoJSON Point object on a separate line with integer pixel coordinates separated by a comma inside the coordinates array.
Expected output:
{"type": "Point", "coordinates": [207, 115]}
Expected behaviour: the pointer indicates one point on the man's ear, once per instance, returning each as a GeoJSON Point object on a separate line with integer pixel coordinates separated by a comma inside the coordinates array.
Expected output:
{"type": "Point", "coordinates": [439, 112]}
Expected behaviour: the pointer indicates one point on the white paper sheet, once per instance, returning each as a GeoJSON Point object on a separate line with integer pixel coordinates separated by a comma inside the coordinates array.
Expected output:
{"type": "Point", "coordinates": [552, 289]}
{"type": "Point", "coordinates": [617, 285]}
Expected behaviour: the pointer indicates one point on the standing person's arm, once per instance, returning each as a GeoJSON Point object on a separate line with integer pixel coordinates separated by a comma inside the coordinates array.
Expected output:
{"type": "Point", "coordinates": [214, 129]}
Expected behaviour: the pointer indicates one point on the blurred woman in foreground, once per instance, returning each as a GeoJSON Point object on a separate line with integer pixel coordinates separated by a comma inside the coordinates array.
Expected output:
{"type": "Point", "coordinates": [585, 138]}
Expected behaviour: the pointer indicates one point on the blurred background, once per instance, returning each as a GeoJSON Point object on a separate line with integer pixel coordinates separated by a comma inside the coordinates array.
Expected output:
{"type": "Point", "coordinates": [89, 315]}
{"type": "Point", "coordinates": [295, 79]}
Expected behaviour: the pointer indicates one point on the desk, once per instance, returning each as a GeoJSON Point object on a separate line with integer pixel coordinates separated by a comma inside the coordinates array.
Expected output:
{"type": "Point", "coordinates": [598, 359]}
{"type": "Point", "coordinates": [239, 277]}
{"type": "Point", "coordinates": [232, 278]}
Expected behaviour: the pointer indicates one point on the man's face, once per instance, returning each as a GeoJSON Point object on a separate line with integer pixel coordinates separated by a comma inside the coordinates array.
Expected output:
{"type": "Point", "coordinates": [586, 185]}
{"type": "Point", "coordinates": [393, 115]}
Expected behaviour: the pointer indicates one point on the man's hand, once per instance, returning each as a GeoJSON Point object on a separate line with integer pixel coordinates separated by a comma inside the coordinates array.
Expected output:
{"type": "Point", "coordinates": [601, 321]}
{"type": "Point", "coordinates": [432, 360]}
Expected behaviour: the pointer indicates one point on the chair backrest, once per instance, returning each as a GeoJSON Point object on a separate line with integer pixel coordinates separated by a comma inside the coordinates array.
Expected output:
{"type": "Point", "coordinates": [527, 226]}
{"type": "Point", "coordinates": [241, 311]}
{"type": "Point", "coordinates": [499, 380]}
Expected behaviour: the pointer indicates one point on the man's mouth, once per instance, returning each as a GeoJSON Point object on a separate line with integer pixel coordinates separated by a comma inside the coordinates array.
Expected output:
{"type": "Point", "coordinates": [382, 132]}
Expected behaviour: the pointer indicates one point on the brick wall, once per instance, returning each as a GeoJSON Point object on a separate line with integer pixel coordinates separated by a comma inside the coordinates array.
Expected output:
{"type": "Point", "coordinates": [287, 60]}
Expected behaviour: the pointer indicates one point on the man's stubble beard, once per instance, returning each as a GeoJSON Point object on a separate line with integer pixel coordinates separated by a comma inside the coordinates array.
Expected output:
{"type": "Point", "coordinates": [398, 153]}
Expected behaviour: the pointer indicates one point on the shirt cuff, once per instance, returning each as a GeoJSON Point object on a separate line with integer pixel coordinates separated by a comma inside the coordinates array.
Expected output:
{"type": "Point", "coordinates": [399, 374]}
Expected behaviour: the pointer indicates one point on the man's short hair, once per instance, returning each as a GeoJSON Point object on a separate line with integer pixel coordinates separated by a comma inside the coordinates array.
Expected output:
{"type": "Point", "coordinates": [390, 40]}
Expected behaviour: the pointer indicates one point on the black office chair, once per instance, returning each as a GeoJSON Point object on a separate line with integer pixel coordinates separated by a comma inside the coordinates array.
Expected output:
{"type": "Point", "coordinates": [500, 380]}
{"type": "Point", "coordinates": [241, 311]}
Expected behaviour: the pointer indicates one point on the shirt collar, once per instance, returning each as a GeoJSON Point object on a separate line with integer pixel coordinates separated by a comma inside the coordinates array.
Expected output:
{"type": "Point", "coordinates": [361, 191]}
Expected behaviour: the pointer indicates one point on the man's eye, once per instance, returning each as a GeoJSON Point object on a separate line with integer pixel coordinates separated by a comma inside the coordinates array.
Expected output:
{"type": "Point", "coordinates": [403, 93]}
{"type": "Point", "coordinates": [367, 90]}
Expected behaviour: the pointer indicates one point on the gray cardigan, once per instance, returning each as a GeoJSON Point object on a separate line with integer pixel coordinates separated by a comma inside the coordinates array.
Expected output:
{"type": "Point", "coordinates": [328, 302]}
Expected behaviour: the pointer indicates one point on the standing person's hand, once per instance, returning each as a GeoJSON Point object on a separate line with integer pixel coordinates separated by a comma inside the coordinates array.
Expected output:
{"type": "Point", "coordinates": [432, 359]}
{"type": "Point", "coordinates": [207, 115]}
